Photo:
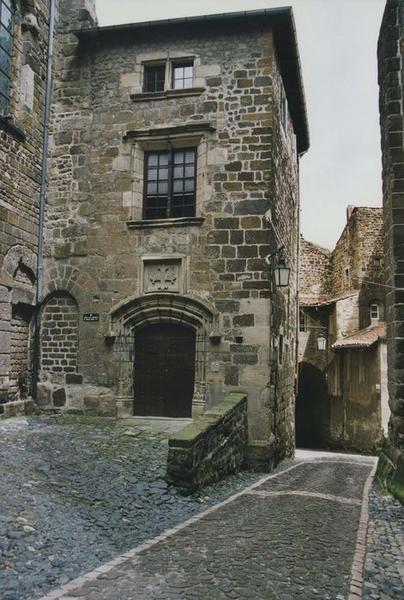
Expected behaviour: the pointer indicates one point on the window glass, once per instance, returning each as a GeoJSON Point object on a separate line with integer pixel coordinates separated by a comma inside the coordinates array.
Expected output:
{"type": "Point", "coordinates": [374, 312]}
{"type": "Point", "coordinates": [183, 74]}
{"type": "Point", "coordinates": [302, 321]}
{"type": "Point", "coordinates": [6, 45]}
{"type": "Point", "coordinates": [154, 77]}
{"type": "Point", "coordinates": [170, 184]}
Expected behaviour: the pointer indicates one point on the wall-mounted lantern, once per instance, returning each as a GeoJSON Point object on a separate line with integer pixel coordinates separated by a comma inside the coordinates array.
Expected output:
{"type": "Point", "coordinates": [321, 342]}
{"type": "Point", "coordinates": [281, 269]}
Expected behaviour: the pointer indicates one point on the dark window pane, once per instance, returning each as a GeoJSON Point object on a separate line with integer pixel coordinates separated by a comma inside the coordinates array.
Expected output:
{"type": "Point", "coordinates": [6, 17]}
{"type": "Point", "coordinates": [189, 171]}
{"type": "Point", "coordinates": [5, 62]}
{"type": "Point", "coordinates": [3, 105]}
{"type": "Point", "coordinates": [190, 156]}
{"type": "Point", "coordinates": [153, 159]}
{"type": "Point", "coordinates": [164, 158]}
{"type": "Point", "coordinates": [178, 186]}
{"type": "Point", "coordinates": [154, 77]}
{"type": "Point", "coordinates": [178, 157]}
{"type": "Point", "coordinates": [189, 185]}
{"type": "Point", "coordinates": [163, 188]}
{"type": "Point", "coordinates": [178, 172]}
{"type": "Point", "coordinates": [163, 173]}
{"type": "Point", "coordinates": [152, 188]}
{"type": "Point", "coordinates": [152, 174]}
{"type": "Point", "coordinates": [4, 85]}
{"type": "Point", "coordinates": [6, 41]}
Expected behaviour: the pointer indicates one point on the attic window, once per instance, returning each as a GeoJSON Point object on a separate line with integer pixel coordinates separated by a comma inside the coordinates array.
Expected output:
{"type": "Point", "coordinates": [154, 78]}
{"type": "Point", "coordinates": [183, 75]}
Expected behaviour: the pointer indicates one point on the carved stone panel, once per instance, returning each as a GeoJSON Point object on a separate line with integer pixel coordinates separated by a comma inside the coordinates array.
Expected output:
{"type": "Point", "coordinates": [162, 276]}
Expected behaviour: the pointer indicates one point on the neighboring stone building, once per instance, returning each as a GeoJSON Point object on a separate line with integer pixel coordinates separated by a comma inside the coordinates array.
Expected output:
{"type": "Point", "coordinates": [342, 400]}
{"type": "Point", "coordinates": [391, 77]}
{"type": "Point", "coordinates": [23, 74]}
{"type": "Point", "coordinates": [173, 177]}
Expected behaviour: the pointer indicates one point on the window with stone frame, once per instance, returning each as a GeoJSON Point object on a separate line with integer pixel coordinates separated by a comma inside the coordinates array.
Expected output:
{"type": "Point", "coordinates": [182, 75]}
{"type": "Point", "coordinates": [374, 312]}
{"type": "Point", "coordinates": [154, 77]}
{"type": "Point", "coordinates": [169, 183]}
{"type": "Point", "coordinates": [7, 12]}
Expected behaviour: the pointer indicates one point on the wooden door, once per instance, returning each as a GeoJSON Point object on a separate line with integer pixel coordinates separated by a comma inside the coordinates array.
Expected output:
{"type": "Point", "coordinates": [164, 372]}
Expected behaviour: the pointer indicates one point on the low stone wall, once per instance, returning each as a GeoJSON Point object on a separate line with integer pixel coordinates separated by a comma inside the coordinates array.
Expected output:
{"type": "Point", "coordinates": [211, 447]}
{"type": "Point", "coordinates": [17, 408]}
{"type": "Point", "coordinates": [76, 398]}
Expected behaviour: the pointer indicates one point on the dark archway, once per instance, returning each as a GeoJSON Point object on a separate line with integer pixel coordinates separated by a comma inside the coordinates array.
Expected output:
{"type": "Point", "coordinates": [164, 370]}
{"type": "Point", "coordinates": [311, 407]}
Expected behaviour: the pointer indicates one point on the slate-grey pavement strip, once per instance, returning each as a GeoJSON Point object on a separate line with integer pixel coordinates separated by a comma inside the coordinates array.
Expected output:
{"type": "Point", "coordinates": [295, 543]}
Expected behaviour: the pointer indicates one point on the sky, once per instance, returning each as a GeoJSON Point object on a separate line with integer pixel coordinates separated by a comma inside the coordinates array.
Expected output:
{"type": "Point", "coordinates": [337, 43]}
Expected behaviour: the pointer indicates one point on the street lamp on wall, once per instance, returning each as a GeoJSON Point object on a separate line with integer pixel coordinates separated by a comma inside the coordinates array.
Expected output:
{"type": "Point", "coordinates": [281, 269]}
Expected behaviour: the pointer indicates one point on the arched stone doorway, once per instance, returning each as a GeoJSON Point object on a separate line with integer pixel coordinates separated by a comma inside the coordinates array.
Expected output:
{"type": "Point", "coordinates": [184, 313]}
{"type": "Point", "coordinates": [311, 407]}
{"type": "Point", "coordinates": [164, 370]}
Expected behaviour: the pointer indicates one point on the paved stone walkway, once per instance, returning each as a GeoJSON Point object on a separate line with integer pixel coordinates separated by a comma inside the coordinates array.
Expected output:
{"type": "Point", "coordinates": [75, 493]}
{"type": "Point", "coordinates": [299, 533]}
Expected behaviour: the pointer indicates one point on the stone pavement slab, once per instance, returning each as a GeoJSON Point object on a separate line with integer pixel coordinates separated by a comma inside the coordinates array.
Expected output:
{"type": "Point", "coordinates": [297, 534]}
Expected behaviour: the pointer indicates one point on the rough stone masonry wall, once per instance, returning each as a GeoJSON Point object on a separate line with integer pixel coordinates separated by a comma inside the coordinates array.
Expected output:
{"type": "Point", "coordinates": [314, 270]}
{"type": "Point", "coordinates": [21, 139]}
{"type": "Point", "coordinates": [95, 241]}
{"type": "Point", "coordinates": [211, 447]}
{"type": "Point", "coordinates": [391, 73]}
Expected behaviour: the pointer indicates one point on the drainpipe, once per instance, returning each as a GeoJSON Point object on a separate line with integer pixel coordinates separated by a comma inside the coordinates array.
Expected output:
{"type": "Point", "coordinates": [42, 199]}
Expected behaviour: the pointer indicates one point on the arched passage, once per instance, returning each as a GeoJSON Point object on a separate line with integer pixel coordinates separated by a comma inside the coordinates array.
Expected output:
{"type": "Point", "coordinates": [311, 407]}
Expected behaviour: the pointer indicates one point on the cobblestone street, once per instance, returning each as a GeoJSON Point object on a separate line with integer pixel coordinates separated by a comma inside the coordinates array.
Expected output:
{"type": "Point", "coordinates": [76, 494]}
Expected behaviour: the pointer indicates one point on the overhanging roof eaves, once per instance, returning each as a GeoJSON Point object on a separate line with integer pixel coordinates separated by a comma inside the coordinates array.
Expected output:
{"type": "Point", "coordinates": [283, 24]}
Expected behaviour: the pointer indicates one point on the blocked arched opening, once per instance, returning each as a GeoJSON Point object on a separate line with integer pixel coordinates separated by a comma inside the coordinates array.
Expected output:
{"type": "Point", "coordinates": [59, 341]}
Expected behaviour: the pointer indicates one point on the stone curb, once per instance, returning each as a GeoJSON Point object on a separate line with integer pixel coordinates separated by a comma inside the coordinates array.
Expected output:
{"type": "Point", "coordinates": [358, 564]}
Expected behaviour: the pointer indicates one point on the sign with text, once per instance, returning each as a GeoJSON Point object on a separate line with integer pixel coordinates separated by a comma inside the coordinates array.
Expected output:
{"type": "Point", "coordinates": [91, 317]}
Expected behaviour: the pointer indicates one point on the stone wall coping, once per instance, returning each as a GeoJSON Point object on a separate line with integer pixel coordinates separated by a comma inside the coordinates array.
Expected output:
{"type": "Point", "coordinates": [147, 96]}
{"type": "Point", "coordinates": [151, 223]}
{"type": "Point", "coordinates": [200, 426]}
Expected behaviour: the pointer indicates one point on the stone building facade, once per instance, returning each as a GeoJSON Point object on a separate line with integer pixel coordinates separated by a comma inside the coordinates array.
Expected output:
{"type": "Point", "coordinates": [173, 182]}
{"type": "Point", "coordinates": [391, 65]}
{"type": "Point", "coordinates": [342, 400]}
{"type": "Point", "coordinates": [23, 75]}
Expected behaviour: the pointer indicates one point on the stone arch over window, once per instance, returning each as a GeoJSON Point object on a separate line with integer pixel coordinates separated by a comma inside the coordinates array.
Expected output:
{"type": "Point", "coordinates": [59, 336]}
{"type": "Point", "coordinates": [133, 314]}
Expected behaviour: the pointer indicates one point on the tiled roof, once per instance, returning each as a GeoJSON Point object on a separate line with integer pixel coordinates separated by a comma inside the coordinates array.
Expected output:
{"type": "Point", "coordinates": [361, 339]}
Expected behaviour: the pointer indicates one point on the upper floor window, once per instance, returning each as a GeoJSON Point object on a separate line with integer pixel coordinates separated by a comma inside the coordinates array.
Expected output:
{"type": "Point", "coordinates": [170, 183]}
{"type": "Point", "coordinates": [374, 312]}
{"type": "Point", "coordinates": [6, 47]}
{"type": "Point", "coordinates": [183, 74]}
{"type": "Point", "coordinates": [154, 78]}
{"type": "Point", "coordinates": [302, 321]}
